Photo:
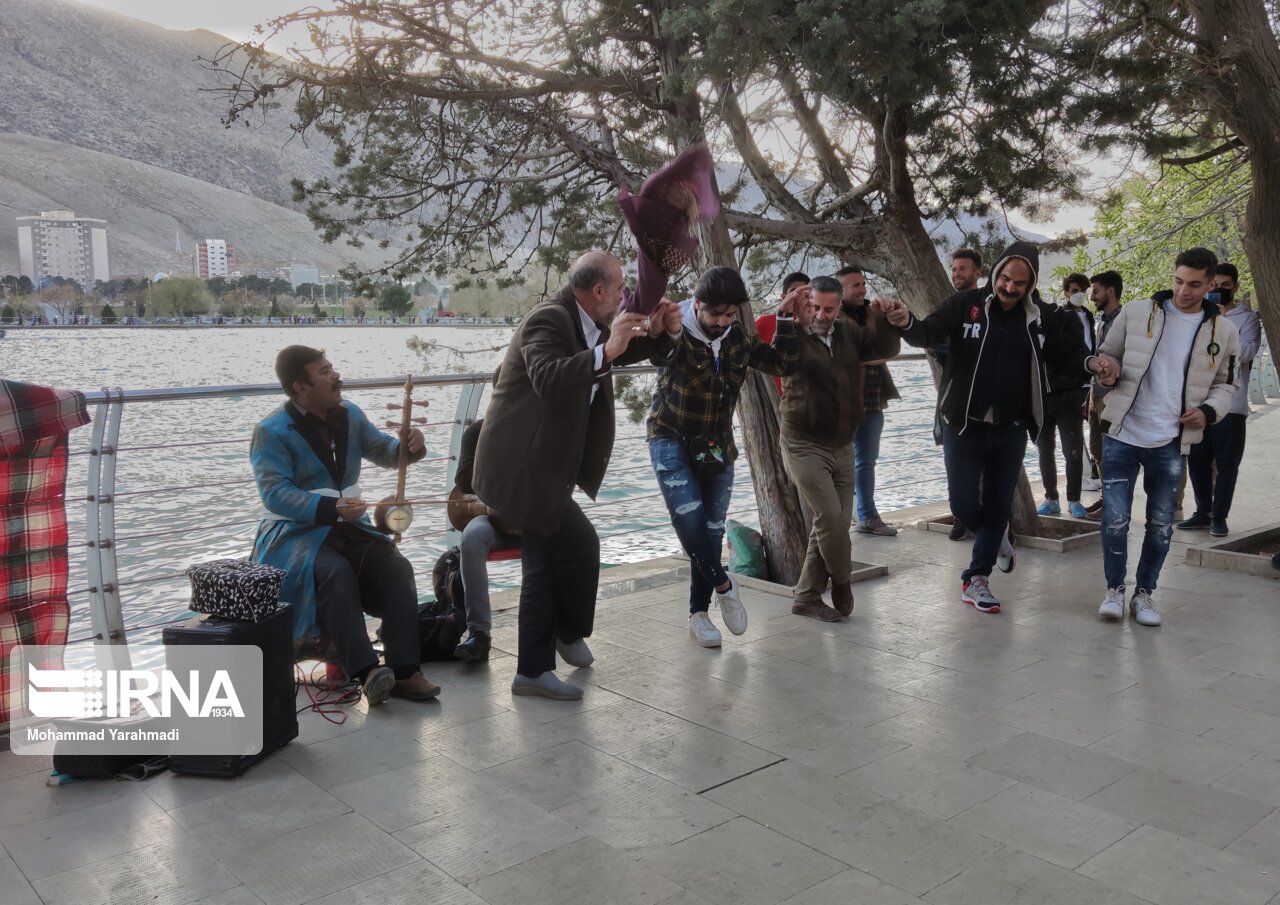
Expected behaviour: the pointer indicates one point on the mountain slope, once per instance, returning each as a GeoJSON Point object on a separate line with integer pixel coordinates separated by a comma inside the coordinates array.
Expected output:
{"type": "Point", "coordinates": [146, 206]}
{"type": "Point", "coordinates": [105, 82]}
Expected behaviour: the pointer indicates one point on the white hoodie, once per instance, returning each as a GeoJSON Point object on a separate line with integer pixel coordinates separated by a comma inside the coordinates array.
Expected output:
{"type": "Point", "coordinates": [694, 328]}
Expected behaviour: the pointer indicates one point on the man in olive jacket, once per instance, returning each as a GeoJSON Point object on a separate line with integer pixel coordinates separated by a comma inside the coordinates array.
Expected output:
{"type": "Point", "coordinates": [549, 427]}
{"type": "Point", "coordinates": [821, 407]}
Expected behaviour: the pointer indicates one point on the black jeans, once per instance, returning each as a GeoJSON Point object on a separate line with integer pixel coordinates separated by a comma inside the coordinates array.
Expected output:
{"type": "Point", "coordinates": [558, 589]}
{"type": "Point", "coordinates": [1062, 410]}
{"type": "Point", "coordinates": [1223, 445]}
{"type": "Point", "coordinates": [983, 465]}
{"type": "Point", "coordinates": [356, 573]}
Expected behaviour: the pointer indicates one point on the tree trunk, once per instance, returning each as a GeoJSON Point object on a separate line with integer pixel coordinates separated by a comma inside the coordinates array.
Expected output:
{"type": "Point", "coordinates": [1262, 244]}
{"type": "Point", "coordinates": [781, 522]}
{"type": "Point", "coordinates": [1244, 76]}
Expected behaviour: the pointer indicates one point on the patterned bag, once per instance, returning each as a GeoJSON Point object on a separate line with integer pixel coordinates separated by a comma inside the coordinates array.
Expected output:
{"type": "Point", "coordinates": [235, 589]}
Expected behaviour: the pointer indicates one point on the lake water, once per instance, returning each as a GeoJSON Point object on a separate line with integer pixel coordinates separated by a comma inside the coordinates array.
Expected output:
{"type": "Point", "coordinates": [162, 530]}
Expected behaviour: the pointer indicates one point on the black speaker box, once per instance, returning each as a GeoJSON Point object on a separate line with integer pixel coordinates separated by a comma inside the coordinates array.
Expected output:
{"type": "Point", "coordinates": [274, 636]}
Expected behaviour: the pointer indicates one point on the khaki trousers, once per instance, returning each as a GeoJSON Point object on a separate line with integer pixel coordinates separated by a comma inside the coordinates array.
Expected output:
{"type": "Point", "coordinates": [824, 477]}
{"type": "Point", "coordinates": [1095, 431]}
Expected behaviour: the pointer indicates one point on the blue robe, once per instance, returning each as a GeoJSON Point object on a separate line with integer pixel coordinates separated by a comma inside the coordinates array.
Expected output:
{"type": "Point", "coordinates": [286, 469]}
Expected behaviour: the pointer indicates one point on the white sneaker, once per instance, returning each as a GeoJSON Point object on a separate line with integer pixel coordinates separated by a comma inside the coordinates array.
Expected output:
{"type": "Point", "coordinates": [1113, 604]}
{"type": "Point", "coordinates": [1007, 558]}
{"type": "Point", "coordinates": [1143, 610]}
{"type": "Point", "coordinates": [731, 608]}
{"type": "Point", "coordinates": [1089, 483]}
{"type": "Point", "coordinates": [703, 630]}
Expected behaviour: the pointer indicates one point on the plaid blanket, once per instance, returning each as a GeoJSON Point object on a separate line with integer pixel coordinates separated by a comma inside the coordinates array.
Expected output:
{"type": "Point", "coordinates": [34, 422]}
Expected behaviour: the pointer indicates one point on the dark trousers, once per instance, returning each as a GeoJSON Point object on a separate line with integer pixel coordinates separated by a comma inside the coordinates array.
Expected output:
{"type": "Point", "coordinates": [558, 589]}
{"type": "Point", "coordinates": [983, 465]}
{"type": "Point", "coordinates": [356, 573]}
{"type": "Point", "coordinates": [1063, 413]}
{"type": "Point", "coordinates": [1223, 445]}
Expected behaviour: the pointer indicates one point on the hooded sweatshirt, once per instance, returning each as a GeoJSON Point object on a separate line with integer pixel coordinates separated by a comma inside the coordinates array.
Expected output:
{"type": "Point", "coordinates": [995, 370]}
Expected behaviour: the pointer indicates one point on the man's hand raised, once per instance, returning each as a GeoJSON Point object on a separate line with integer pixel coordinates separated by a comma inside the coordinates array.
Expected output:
{"type": "Point", "coordinates": [625, 327]}
{"type": "Point", "coordinates": [793, 300]}
{"type": "Point", "coordinates": [666, 317]}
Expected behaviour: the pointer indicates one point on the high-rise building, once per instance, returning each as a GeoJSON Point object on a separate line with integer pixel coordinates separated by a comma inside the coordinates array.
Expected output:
{"type": "Point", "coordinates": [214, 258]}
{"type": "Point", "coordinates": [60, 244]}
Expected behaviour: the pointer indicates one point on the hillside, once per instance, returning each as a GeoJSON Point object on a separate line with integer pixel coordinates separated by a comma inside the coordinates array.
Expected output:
{"type": "Point", "coordinates": [112, 117]}
{"type": "Point", "coordinates": [147, 206]}
{"type": "Point", "coordinates": [103, 81]}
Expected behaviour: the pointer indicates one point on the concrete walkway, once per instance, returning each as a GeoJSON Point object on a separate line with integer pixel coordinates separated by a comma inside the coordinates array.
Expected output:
{"type": "Point", "coordinates": [919, 752]}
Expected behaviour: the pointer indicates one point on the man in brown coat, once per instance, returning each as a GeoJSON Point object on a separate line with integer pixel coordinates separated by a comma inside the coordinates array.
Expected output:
{"type": "Point", "coordinates": [549, 427]}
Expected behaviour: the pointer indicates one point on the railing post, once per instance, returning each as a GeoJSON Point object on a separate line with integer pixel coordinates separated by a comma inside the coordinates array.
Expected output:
{"type": "Point", "coordinates": [105, 612]}
{"type": "Point", "coordinates": [464, 416]}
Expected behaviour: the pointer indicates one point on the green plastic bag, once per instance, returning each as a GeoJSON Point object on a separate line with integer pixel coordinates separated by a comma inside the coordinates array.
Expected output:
{"type": "Point", "coordinates": [746, 551]}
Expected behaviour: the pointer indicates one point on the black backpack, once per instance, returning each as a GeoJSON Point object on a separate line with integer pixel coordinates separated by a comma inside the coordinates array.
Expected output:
{"type": "Point", "coordinates": [443, 621]}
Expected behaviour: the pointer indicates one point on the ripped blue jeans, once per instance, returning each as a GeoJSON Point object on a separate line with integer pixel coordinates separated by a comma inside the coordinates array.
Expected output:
{"type": "Point", "coordinates": [697, 507]}
{"type": "Point", "coordinates": [1161, 472]}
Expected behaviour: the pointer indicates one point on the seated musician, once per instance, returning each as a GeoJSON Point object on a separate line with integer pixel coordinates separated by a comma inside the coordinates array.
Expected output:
{"type": "Point", "coordinates": [306, 459]}
{"type": "Point", "coordinates": [479, 537]}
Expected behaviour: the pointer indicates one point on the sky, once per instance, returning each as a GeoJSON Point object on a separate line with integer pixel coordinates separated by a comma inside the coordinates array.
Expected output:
{"type": "Point", "coordinates": [238, 18]}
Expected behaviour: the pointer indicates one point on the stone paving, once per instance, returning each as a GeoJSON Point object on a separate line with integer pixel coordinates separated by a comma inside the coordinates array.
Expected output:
{"type": "Point", "coordinates": [919, 752]}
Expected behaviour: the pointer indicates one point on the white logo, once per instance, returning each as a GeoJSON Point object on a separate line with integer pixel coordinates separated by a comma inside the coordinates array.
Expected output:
{"type": "Point", "coordinates": [94, 693]}
{"type": "Point", "coordinates": [972, 331]}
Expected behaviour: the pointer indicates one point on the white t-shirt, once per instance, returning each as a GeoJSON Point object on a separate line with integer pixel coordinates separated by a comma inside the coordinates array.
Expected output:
{"type": "Point", "coordinates": [1152, 420]}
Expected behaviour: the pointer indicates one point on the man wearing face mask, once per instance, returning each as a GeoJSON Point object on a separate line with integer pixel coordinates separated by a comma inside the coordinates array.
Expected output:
{"type": "Point", "coordinates": [1067, 396]}
{"type": "Point", "coordinates": [690, 431]}
{"type": "Point", "coordinates": [993, 397]}
{"type": "Point", "coordinates": [821, 409]}
{"type": "Point", "coordinates": [1223, 443]}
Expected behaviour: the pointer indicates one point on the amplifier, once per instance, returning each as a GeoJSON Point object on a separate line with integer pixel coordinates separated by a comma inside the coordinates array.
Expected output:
{"type": "Point", "coordinates": [274, 636]}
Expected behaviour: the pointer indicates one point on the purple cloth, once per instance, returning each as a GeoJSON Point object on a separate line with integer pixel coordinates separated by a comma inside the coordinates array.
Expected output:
{"type": "Point", "coordinates": [661, 215]}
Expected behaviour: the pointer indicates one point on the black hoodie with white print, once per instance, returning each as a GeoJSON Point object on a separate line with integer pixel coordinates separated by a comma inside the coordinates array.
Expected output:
{"type": "Point", "coordinates": [966, 320]}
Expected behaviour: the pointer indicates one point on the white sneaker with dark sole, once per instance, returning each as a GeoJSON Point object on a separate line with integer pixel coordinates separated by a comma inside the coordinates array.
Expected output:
{"type": "Point", "coordinates": [976, 592]}
{"type": "Point", "coordinates": [703, 630]}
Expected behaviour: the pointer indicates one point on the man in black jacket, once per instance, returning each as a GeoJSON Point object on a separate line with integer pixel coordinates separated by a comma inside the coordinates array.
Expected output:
{"type": "Point", "coordinates": [1064, 406]}
{"type": "Point", "coordinates": [993, 397]}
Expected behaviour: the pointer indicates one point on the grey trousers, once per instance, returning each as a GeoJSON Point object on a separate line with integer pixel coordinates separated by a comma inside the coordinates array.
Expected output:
{"type": "Point", "coordinates": [478, 538]}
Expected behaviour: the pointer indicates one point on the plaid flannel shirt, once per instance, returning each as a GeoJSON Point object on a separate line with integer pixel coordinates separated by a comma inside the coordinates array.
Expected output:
{"type": "Point", "coordinates": [34, 422]}
{"type": "Point", "coordinates": [696, 394]}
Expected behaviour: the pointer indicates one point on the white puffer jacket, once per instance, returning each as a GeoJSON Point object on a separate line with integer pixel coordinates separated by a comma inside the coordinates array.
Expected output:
{"type": "Point", "coordinates": [1210, 377]}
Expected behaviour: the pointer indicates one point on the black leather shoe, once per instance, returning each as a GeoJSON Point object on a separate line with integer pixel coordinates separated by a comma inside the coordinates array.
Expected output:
{"type": "Point", "coordinates": [1197, 521]}
{"type": "Point", "coordinates": [957, 532]}
{"type": "Point", "coordinates": [474, 647]}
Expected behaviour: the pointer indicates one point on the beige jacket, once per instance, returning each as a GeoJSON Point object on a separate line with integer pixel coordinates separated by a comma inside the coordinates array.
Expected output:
{"type": "Point", "coordinates": [1209, 375]}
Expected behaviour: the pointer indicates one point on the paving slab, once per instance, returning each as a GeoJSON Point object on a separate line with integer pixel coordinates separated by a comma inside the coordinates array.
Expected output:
{"type": "Point", "coordinates": [1167, 869]}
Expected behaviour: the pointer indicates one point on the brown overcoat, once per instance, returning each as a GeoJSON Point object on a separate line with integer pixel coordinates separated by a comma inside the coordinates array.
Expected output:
{"type": "Point", "coordinates": [542, 434]}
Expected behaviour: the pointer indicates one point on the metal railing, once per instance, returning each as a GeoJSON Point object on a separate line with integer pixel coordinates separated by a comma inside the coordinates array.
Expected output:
{"type": "Point", "coordinates": [103, 542]}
